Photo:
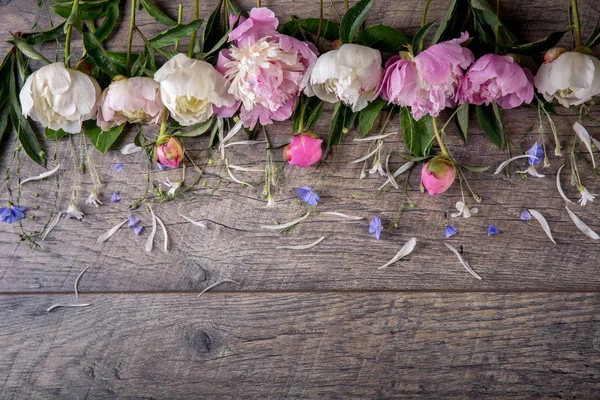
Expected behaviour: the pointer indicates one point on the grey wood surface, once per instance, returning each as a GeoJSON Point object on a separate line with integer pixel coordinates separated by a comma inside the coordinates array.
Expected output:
{"type": "Point", "coordinates": [321, 323]}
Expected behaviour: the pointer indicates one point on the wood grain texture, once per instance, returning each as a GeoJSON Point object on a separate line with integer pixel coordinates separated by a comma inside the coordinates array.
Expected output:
{"type": "Point", "coordinates": [268, 346]}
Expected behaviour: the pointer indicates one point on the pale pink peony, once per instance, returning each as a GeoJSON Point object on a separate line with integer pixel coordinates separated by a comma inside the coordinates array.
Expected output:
{"type": "Point", "coordinates": [168, 151]}
{"type": "Point", "coordinates": [265, 69]}
{"type": "Point", "coordinates": [130, 100]}
{"type": "Point", "coordinates": [429, 83]}
{"type": "Point", "coordinates": [303, 151]}
{"type": "Point", "coordinates": [437, 176]}
{"type": "Point", "coordinates": [496, 78]}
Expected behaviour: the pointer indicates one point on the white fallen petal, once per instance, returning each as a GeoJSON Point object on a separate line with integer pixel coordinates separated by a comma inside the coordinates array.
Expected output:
{"type": "Point", "coordinates": [390, 177]}
{"type": "Point", "coordinates": [236, 128]}
{"type": "Point", "coordinates": [358, 160]}
{"type": "Point", "coordinates": [52, 225]}
{"type": "Point", "coordinates": [197, 223]}
{"type": "Point", "coordinates": [505, 163]}
{"type": "Point", "coordinates": [584, 136]}
{"type": "Point", "coordinates": [238, 168]}
{"type": "Point", "coordinates": [217, 284]}
{"type": "Point", "coordinates": [559, 186]}
{"type": "Point", "coordinates": [342, 215]}
{"type": "Point", "coordinates": [462, 261]}
{"type": "Point", "coordinates": [42, 175]}
{"type": "Point", "coordinates": [287, 224]}
{"type": "Point", "coordinates": [583, 227]}
{"type": "Point", "coordinates": [402, 169]}
{"type": "Point", "coordinates": [77, 280]}
{"type": "Point", "coordinates": [301, 246]}
{"type": "Point", "coordinates": [404, 251]}
{"type": "Point", "coordinates": [165, 234]}
{"type": "Point", "coordinates": [596, 142]}
{"type": "Point", "coordinates": [244, 142]}
{"type": "Point", "coordinates": [66, 305]}
{"type": "Point", "coordinates": [532, 171]}
{"type": "Point", "coordinates": [235, 179]}
{"type": "Point", "coordinates": [105, 236]}
{"type": "Point", "coordinates": [540, 218]}
{"type": "Point", "coordinates": [377, 137]}
{"type": "Point", "coordinates": [130, 148]}
{"type": "Point", "coordinates": [150, 241]}
{"type": "Point", "coordinates": [220, 135]}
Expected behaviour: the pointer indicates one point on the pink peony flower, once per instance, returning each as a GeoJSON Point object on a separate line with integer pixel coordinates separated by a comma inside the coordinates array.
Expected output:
{"type": "Point", "coordinates": [265, 69]}
{"type": "Point", "coordinates": [168, 151]}
{"type": "Point", "coordinates": [130, 100]}
{"type": "Point", "coordinates": [303, 151]}
{"type": "Point", "coordinates": [437, 175]}
{"type": "Point", "coordinates": [429, 83]}
{"type": "Point", "coordinates": [496, 78]}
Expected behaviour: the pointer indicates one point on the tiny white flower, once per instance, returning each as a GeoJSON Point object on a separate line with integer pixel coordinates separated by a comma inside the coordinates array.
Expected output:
{"type": "Point", "coordinates": [270, 201]}
{"type": "Point", "coordinates": [377, 167]}
{"type": "Point", "coordinates": [463, 210]}
{"type": "Point", "coordinates": [531, 171]}
{"type": "Point", "coordinates": [585, 196]}
{"type": "Point", "coordinates": [173, 186]}
{"type": "Point", "coordinates": [93, 198]}
{"type": "Point", "coordinates": [73, 211]}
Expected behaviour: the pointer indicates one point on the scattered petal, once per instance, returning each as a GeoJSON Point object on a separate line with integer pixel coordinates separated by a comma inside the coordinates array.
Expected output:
{"type": "Point", "coordinates": [197, 223]}
{"type": "Point", "coordinates": [217, 284]}
{"type": "Point", "coordinates": [42, 175]}
{"type": "Point", "coordinates": [531, 171]}
{"type": "Point", "coordinates": [450, 231]}
{"type": "Point", "coordinates": [358, 160]}
{"type": "Point", "coordinates": [55, 306]}
{"type": "Point", "coordinates": [160, 166]}
{"type": "Point", "coordinates": [105, 236]}
{"type": "Point", "coordinates": [245, 142]}
{"type": "Point", "coordinates": [150, 241]}
{"type": "Point", "coordinates": [165, 235]}
{"type": "Point", "coordinates": [235, 179]}
{"type": "Point", "coordinates": [342, 215]}
{"type": "Point", "coordinates": [404, 251]}
{"type": "Point", "coordinates": [377, 137]}
{"type": "Point", "coordinates": [583, 227]}
{"type": "Point", "coordinates": [309, 196]}
{"type": "Point", "coordinates": [138, 230]}
{"type": "Point", "coordinates": [238, 168]}
{"type": "Point", "coordinates": [287, 224]}
{"type": "Point", "coordinates": [525, 215]}
{"type": "Point", "coordinates": [559, 186]}
{"type": "Point", "coordinates": [52, 225]}
{"type": "Point", "coordinates": [302, 246]}
{"type": "Point", "coordinates": [505, 163]}
{"type": "Point", "coordinates": [130, 148]}
{"type": "Point", "coordinates": [584, 136]}
{"type": "Point", "coordinates": [402, 169]}
{"type": "Point", "coordinates": [77, 280]}
{"type": "Point", "coordinates": [133, 220]}
{"type": "Point", "coordinates": [390, 177]}
{"type": "Point", "coordinates": [540, 218]}
{"type": "Point", "coordinates": [375, 227]}
{"type": "Point", "coordinates": [115, 198]}
{"type": "Point", "coordinates": [118, 167]}
{"type": "Point", "coordinates": [493, 230]}
{"type": "Point", "coordinates": [462, 261]}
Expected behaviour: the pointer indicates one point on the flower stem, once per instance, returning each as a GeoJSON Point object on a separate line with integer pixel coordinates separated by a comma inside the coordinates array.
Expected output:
{"type": "Point", "coordinates": [320, 23]}
{"type": "Point", "coordinates": [130, 38]}
{"type": "Point", "coordinates": [68, 36]}
{"type": "Point", "coordinates": [576, 23]}
{"type": "Point", "coordinates": [424, 17]}
{"type": "Point", "coordinates": [346, 5]}
{"type": "Point", "coordinates": [179, 19]}
{"type": "Point", "coordinates": [163, 124]}
{"type": "Point", "coordinates": [301, 121]}
{"type": "Point", "coordinates": [193, 37]}
{"type": "Point", "coordinates": [497, 28]}
{"type": "Point", "coordinates": [439, 139]}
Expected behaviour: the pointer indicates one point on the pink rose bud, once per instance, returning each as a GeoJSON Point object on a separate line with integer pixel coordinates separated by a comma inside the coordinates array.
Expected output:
{"type": "Point", "coordinates": [438, 175]}
{"type": "Point", "coordinates": [168, 151]}
{"type": "Point", "coordinates": [303, 151]}
{"type": "Point", "coordinates": [553, 54]}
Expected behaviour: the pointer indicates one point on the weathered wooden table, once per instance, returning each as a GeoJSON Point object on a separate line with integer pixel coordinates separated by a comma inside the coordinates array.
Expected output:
{"type": "Point", "coordinates": [322, 323]}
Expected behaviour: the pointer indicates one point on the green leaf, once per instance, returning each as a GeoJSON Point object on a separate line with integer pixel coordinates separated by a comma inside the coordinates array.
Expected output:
{"type": "Point", "coordinates": [382, 37]}
{"type": "Point", "coordinates": [483, 8]}
{"type": "Point", "coordinates": [476, 169]}
{"type": "Point", "coordinates": [342, 117]}
{"type": "Point", "coordinates": [329, 30]}
{"type": "Point", "coordinates": [213, 31]}
{"type": "Point", "coordinates": [199, 130]}
{"type": "Point", "coordinates": [97, 55]}
{"type": "Point", "coordinates": [417, 42]}
{"type": "Point", "coordinates": [4, 118]}
{"type": "Point", "coordinates": [594, 38]}
{"type": "Point", "coordinates": [109, 22]}
{"type": "Point", "coordinates": [172, 35]}
{"type": "Point", "coordinates": [156, 13]}
{"type": "Point", "coordinates": [231, 8]}
{"type": "Point", "coordinates": [39, 37]}
{"type": "Point", "coordinates": [102, 140]}
{"type": "Point", "coordinates": [55, 135]}
{"type": "Point", "coordinates": [28, 50]}
{"type": "Point", "coordinates": [85, 15]}
{"type": "Point", "coordinates": [539, 46]}
{"type": "Point", "coordinates": [353, 19]}
{"type": "Point", "coordinates": [491, 124]}
{"type": "Point", "coordinates": [462, 121]}
{"type": "Point", "coordinates": [368, 115]}
{"type": "Point", "coordinates": [418, 135]}
{"type": "Point", "coordinates": [452, 21]}
{"type": "Point", "coordinates": [313, 109]}
{"type": "Point", "coordinates": [140, 140]}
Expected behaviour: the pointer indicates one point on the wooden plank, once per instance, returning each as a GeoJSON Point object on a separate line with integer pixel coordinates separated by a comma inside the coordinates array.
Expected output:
{"type": "Point", "coordinates": [296, 345]}
{"type": "Point", "coordinates": [235, 247]}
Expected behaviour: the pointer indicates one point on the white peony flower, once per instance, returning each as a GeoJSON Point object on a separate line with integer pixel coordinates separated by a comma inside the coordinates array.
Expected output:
{"type": "Point", "coordinates": [191, 88]}
{"type": "Point", "coordinates": [572, 78]}
{"type": "Point", "coordinates": [351, 74]}
{"type": "Point", "coordinates": [59, 98]}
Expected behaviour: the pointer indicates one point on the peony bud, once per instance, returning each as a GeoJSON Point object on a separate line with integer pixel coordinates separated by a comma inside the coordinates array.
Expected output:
{"type": "Point", "coordinates": [553, 54]}
{"type": "Point", "coordinates": [168, 151]}
{"type": "Point", "coordinates": [303, 151]}
{"type": "Point", "coordinates": [438, 175]}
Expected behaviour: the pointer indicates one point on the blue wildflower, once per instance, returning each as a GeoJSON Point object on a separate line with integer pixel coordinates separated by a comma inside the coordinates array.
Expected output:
{"type": "Point", "coordinates": [138, 229]}
{"type": "Point", "coordinates": [118, 167]}
{"type": "Point", "coordinates": [493, 230]}
{"type": "Point", "coordinates": [537, 150]}
{"type": "Point", "coordinates": [525, 215]}
{"type": "Point", "coordinates": [375, 227]}
{"type": "Point", "coordinates": [115, 197]}
{"type": "Point", "coordinates": [308, 195]}
{"type": "Point", "coordinates": [133, 220]}
{"type": "Point", "coordinates": [160, 166]}
{"type": "Point", "coordinates": [11, 214]}
{"type": "Point", "coordinates": [450, 231]}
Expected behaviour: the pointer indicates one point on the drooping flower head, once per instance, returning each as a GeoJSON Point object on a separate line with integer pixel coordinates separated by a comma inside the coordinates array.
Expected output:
{"type": "Point", "coordinates": [192, 90]}
{"type": "Point", "coordinates": [496, 78]}
{"type": "Point", "coordinates": [11, 214]}
{"type": "Point", "coordinates": [428, 82]}
{"type": "Point", "coordinates": [168, 152]}
{"type": "Point", "coordinates": [450, 231]}
{"type": "Point", "coordinates": [438, 175]}
{"type": "Point", "coordinates": [570, 77]}
{"type": "Point", "coordinates": [309, 196]}
{"type": "Point", "coordinates": [351, 74]}
{"type": "Point", "coordinates": [59, 98]}
{"type": "Point", "coordinates": [130, 100]}
{"type": "Point", "coordinates": [536, 154]}
{"type": "Point", "coordinates": [264, 68]}
{"type": "Point", "coordinates": [375, 227]}
{"type": "Point", "coordinates": [303, 151]}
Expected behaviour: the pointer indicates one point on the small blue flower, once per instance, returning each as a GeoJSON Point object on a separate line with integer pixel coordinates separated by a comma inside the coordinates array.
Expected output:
{"type": "Point", "coordinates": [375, 227]}
{"type": "Point", "coordinates": [450, 231]}
{"type": "Point", "coordinates": [133, 220]}
{"type": "Point", "coordinates": [160, 166]}
{"type": "Point", "coordinates": [118, 167]}
{"type": "Point", "coordinates": [308, 195]}
{"type": "Point", "coordinates": [493, 230]}
{"type": "Point", "coordinates": [138, 229]}
{"type": "Point", "coordinates": [525, 215]}
{"type": "Point", "coordinates": [537, 150]}
{"type": "Point", "coordinates": [11, 214]}
{"type": "Point", "coordinates": [115, 197]}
